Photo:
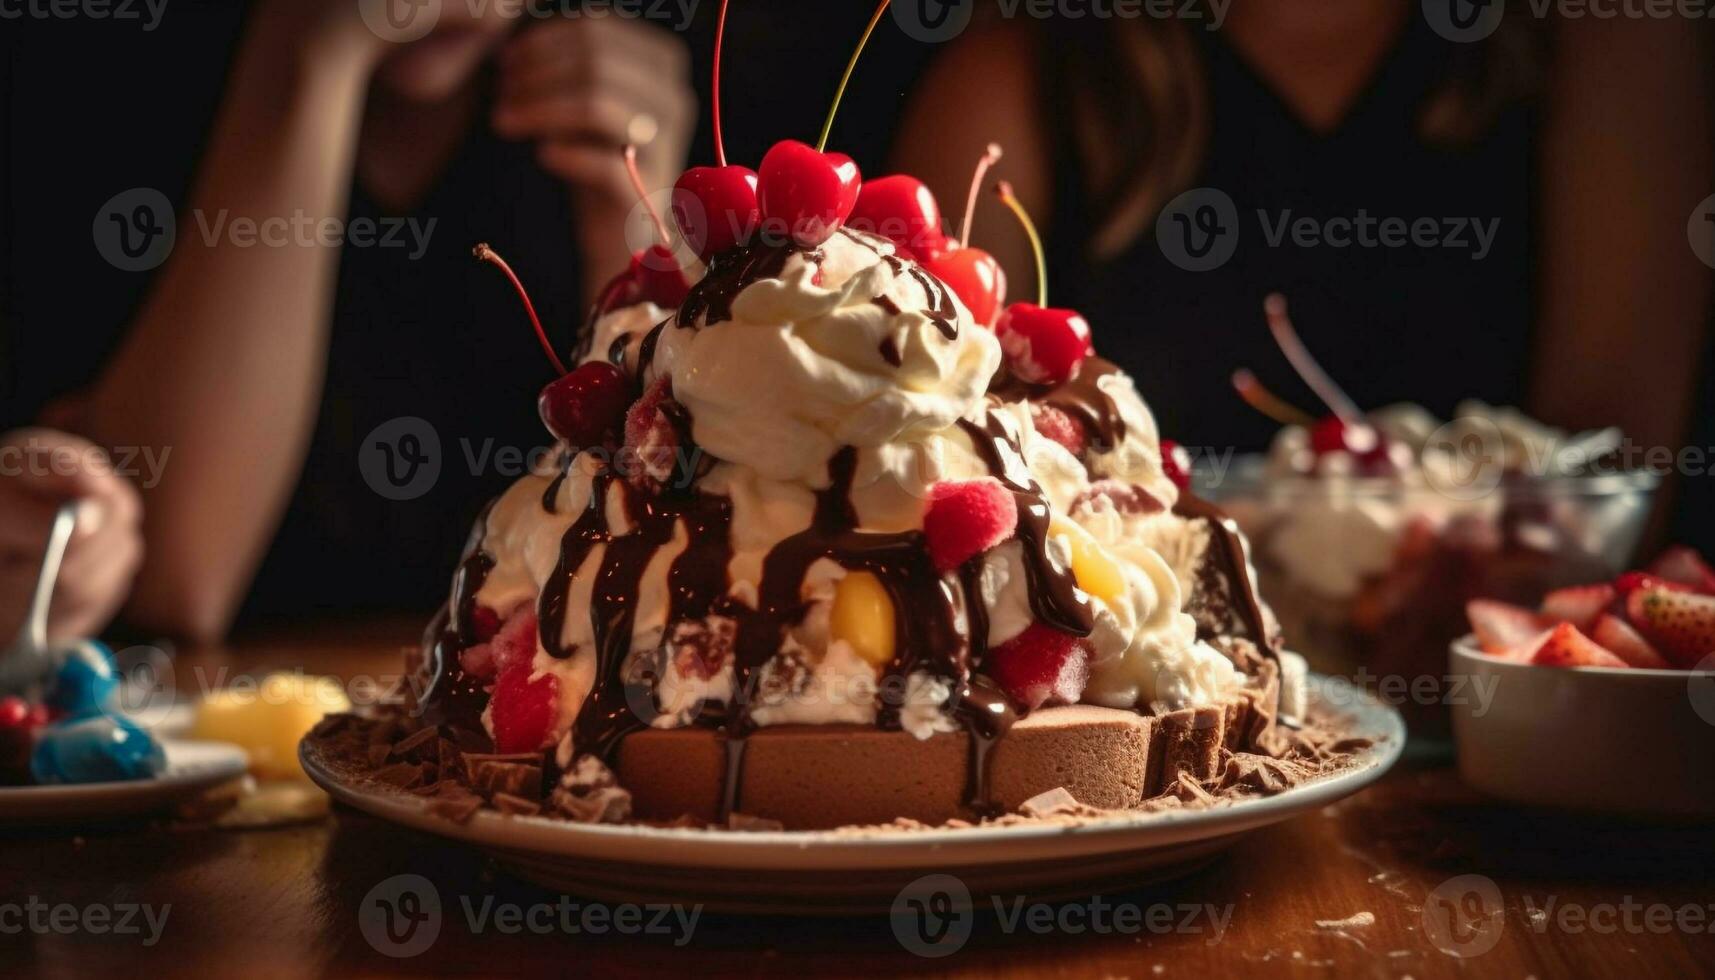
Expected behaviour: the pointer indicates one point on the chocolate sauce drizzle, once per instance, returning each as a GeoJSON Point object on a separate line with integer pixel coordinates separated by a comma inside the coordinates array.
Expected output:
{"type": "Point", "coordinates": [1231, 562]}
{"type": "Point", "coordinates": [449, 695]}
{"type": "Point", "coordinates": [729, 272]}
{"type": "Point", "coordinates": [1081, 397]}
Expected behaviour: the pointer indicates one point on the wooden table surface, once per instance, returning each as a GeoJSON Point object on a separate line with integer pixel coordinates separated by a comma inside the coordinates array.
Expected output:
{"type": "Point", "coordinates": [1414, 877]}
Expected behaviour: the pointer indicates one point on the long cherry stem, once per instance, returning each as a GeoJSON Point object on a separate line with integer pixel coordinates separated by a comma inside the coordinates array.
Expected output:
{"type": "Point", "coordinates": [828, 123]}
{"type": "Point", "coordinates": [1004, 189]}
{"type": "Point", "coordinates": [1267, 402]}
{"type": "Point", "coordinates": [643, 195]}
{"type": "Point", "coordinates": [715, 87]}
{"type": "Point", "coordinates": [989, 157]}
{"type": "Point", "coordinates": [1302, 361]}
{"type": "Point", "coordinates": [492, 257]}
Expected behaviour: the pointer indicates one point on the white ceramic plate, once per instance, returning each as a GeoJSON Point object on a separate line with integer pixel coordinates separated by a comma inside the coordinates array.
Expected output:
{"type": "Point", "coordinates": [191, 768]}
{"type": "Point", "coordinates": [823, 872]}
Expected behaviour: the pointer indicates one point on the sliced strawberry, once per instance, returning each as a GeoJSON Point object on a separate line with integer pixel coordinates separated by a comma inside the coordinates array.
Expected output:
{"type": "Point", "coordinates": [1567, 647]}
{"type": "Point", "coordinates": [1679, 624]}
{"type": "Point", "coordinates": [1626, 643]}
{"type": "Point", "coordinates": [522, 710]}
{"type": "Point", "coordinates": [1578, 605]}
{"type": "Point", "coordinates": [1630, 582]}
{"type": "Point", "coordinates": [651, 440]}
{"type": "Point", "coordinates": [1687, 567]}
{"type": "Point", "coordinates": [515, 645]}
{"type": "Point", "coordinates": [1040, 665]}
{"type": "Point", "coordinates": [966, 518]}
{"type": "Point", "coordinates": [1056, 424]}
{"type": "Point", "coordinates": [1502, 627]}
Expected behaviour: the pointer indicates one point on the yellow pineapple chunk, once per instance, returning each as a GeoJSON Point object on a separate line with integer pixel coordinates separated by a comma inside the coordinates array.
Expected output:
{"type": "Point", "coordinates": [863, 617]}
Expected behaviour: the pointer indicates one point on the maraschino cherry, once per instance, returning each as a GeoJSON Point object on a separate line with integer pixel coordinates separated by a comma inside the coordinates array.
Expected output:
{"type": "Point", "coordinates": [715, 207]}
{"type": "Point", "coordinates": [1176, 463]}
{"type": "Point", "coordinates": [805, 193]}
{"type": "Point", "coordinates": [1043, 345]}
{"type": "Point", "coordinates": [971, 272]}
{"type": "Point", "coordinates": [580, 407]}
{"type": "Point", "coordinates": [901, 209]}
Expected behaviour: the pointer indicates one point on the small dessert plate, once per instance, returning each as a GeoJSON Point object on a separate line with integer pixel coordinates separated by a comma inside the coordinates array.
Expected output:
{"type": "Point", "coordinates": [191, 768]}
{"type": "Point", "coordinates": [841, 871]}
{"type": "Point", "coordinates": [1607, 740]}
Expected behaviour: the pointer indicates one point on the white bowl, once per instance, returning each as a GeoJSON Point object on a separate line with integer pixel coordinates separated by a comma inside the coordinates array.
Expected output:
{"type": "Point", "coordinates": [1596, 739]}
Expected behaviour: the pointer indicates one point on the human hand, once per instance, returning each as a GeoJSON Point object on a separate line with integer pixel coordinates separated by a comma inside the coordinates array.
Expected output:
{"type": "Point", "coordinates": [40, 469]}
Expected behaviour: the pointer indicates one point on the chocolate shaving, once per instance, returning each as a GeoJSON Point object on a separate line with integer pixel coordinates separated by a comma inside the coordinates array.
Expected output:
{"type": "Point", "coordinates": [516, 805]}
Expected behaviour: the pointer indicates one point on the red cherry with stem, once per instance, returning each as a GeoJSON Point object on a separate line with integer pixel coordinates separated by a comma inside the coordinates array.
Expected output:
{"type": "Point", "coordinates": [900, 209]}
{"type": "Point", "coordinates": [804, 192]}
{"type": "Point", "coordinates": [489, 255]}
{"type": "Point", "coordinates": [974, 275]}
{"type": "Point", "coordinates": [656, 268]}
{"type": "Point", "coordinates": [1176, 463]}
{"type": "Point", "coordinates": [1043, 345]}
{"type": "Point", "coordinates": [715, 207]}
{"type": "Point", "coordinates": [582, 407]}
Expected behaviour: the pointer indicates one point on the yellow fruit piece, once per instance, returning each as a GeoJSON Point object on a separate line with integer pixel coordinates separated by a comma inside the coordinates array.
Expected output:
{"type": "Point", "coordinates": [1096, 572]}
{"type": "Point", "coordinates": [863, 617]}
{"type": "Point", "coordinates": [267, 718]}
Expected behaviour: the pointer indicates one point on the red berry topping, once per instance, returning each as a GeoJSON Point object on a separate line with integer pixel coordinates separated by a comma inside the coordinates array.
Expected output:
{"type": "Point", "coordinates": [805, 194]}
{"type": "Point", "coordinates": [14, 712]}
{"type": "Point", "coordinates": [974, 275]}
{"type": "Point", "coordinates": [716, 207]}
{"type": "Point", "coordinates": [1619, 638]}
{"type": "Point", "coordinates": [967, 518]}
{"type": "Point", "coordinates": [515, 644]}
{"type": "Point", "coordinates": [1630, 582]}
{"type": "Point", "coordinates": [1679, 624]}
{"type": "Point", "coordinates": [1043, 345]}
{"type": "Point", "coordinates": [1055, 423]}
{"type": "Point", "coordinates": [1578, 604]}
{"type": "Point", "coordinates": [651, 440]}
{"type": "Point", "coordinates": [1176, 463]}
{"type": "Point", "coordinates": [522, 710]}
{"type": "Point", "coordinates": [1502, 627]}
{"type": "Point", "coordinates": [582, 406]}
{"type": "Point", "coordinates": [1684, 566]}
{"type": "Point", "coordinates": [901, 210]}
{"type": "Point", "coordinates": [484, 623]}
{"type": "Point", "coordinates": [1040, 665]}
{"type": "Point", "coordinates": [1567, 647]}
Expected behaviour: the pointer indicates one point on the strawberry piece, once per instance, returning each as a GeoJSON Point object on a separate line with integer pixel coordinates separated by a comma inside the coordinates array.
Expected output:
{"type": "Point", "coordinates": [1056, 424]}
{"type": "Point", "coordinates": [651, 440]}
{"type": "Point", "coordinates": [515, 645]}
{"type": "Point", "coordinates": [1040, 665]}
{"type": "Point", "coordinates": [1679, 624]}
{"type": "Point", "coordinates": [967, 518]}
{"type": "Point", "coordinates": [1565, 646]}
{"type": "Point", "coordinates": [1630, 582]}
{"type": "Point", "coordinates": [1687, 567]}
{"type": "Point", "coordinates": [1502, 627]}
{"type": "Point", "coordinates": [1626, 643]}
{"type": "Point", "coordinates": [1578, 605]}
{"type": "Point", "coordinates": [522, 710]}
{"type": "Point", "coordinates": [484, 623]}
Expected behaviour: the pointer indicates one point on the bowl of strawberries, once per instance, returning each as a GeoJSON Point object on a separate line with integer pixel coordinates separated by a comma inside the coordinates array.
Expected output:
{"type": "Point", "coordinates": [1600, 699]}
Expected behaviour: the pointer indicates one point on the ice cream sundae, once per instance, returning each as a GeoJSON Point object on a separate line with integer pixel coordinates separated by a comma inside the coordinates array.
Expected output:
{"type": "Point", "coordinates": [838, 536]}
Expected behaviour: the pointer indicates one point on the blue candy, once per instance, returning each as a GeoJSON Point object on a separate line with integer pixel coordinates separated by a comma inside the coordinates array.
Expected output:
{"type": "Point", "coordinates": [95, 748]}
{"type": "Point", "coordinates": [87, 680]}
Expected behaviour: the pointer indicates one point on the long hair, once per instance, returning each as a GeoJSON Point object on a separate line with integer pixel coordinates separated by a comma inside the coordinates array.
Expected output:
{"type": "Point", "coordinates": [1130, 97]}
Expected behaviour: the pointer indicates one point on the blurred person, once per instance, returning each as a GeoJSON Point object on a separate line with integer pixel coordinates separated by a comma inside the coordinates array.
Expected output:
{"type": "Point", "coordinates": [1579, 147]}
{"type": "Point", "coordinates": [264, 370]}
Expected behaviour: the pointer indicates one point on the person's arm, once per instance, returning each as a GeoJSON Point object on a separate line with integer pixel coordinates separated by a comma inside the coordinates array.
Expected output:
{"type": "Point", "coordinates": [223, 367]}
{"type": "Point", "coordinates": [981, 90]}
{"type": "Point", "coordinates": [1625, 160]}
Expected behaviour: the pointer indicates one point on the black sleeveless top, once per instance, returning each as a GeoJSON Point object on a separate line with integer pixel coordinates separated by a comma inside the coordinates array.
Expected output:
{"type": "Point", "coordinates": [1427, 324]}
